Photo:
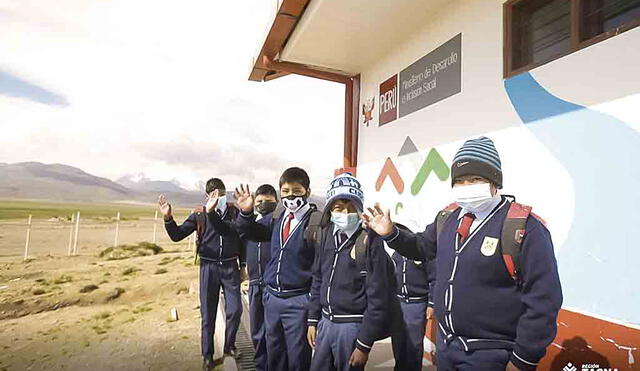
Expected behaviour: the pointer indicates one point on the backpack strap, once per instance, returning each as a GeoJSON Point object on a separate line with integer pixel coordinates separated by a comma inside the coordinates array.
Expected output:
{"type": "Point", "coordinates": [443, 215]}
{"type": "Point", "coordinates": [201, 226]}
{"type": "Point", "coordinates": [314, 229]}
{"type": "Point", "coordinates": [513, 231]}
{"type": "Point", "coordinates": [361, 251]}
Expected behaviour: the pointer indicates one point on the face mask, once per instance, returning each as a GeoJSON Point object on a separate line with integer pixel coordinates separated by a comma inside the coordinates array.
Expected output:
{"type": "Point", "coordinates": [474, 198]}
{"type": "Point", "coordinates": [266, 207]}
{"type": "Point", "coordinates": [222, 200]}
{"type": "Point", "coordinates": [293, 203]}
{"type": "Point", "coordinates": [346, 222]}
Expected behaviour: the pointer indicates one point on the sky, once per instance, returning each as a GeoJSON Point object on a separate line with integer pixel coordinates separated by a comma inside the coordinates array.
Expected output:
{"type": "Point", "coordinates": [159, 87]}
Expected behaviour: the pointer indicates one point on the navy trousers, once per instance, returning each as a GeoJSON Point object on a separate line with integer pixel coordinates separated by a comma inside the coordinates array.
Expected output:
{"type": "Point", "coordinates": [286, 330]}
{"type": "Point", "coordinates": [213, 276]}
{"type": "Point", "coordinates": [407, 340]}
{"type": "Point", "coordinates": [335, 342]}
{"type": "Point", "coordinates": [256, 317]}
{"type": "Point", "coordinates": [452, 357]}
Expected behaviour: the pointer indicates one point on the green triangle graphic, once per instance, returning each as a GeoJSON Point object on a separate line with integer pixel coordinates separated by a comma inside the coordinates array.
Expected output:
{"type": "Point", "coordinates": [433, 162]}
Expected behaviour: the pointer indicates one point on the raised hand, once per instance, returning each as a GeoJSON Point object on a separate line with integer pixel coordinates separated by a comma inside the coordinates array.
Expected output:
{"type": "Point", "coordinates": [379, 221]}
{"type": "Point", "coordinates": [212, 200]}
{"type": "Point", "coordinates": [165, 207]}
{"type": "Point", "coordinates": [244, 198]}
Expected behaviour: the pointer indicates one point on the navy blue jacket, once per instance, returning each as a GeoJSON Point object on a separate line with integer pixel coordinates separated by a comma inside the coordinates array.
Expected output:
{"type": "Point", "coordinates": [220, 241]}
{"type": "Point", "coordinates": [288, 272]}
{"type": "Point", "coordinates": [415, 278]}
{"type": "Point", "coordinates": [257, 253]}
{"type": "Point", "coordinates": [476, 301]}
{"type": "Point", "coordinates": [341, 292]}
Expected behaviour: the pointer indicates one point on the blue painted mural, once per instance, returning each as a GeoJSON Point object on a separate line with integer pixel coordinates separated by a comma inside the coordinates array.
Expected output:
{"type": "Point", "coordinates": [600, 259]}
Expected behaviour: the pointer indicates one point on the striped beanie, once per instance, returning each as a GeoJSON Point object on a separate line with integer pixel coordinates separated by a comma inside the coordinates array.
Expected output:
{"type": "Point", "coordinates": [478, 157]}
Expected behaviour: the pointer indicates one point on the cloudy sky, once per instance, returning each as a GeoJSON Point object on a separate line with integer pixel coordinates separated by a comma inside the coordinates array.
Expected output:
{"type": "Point", "coordinates": [116, 87]}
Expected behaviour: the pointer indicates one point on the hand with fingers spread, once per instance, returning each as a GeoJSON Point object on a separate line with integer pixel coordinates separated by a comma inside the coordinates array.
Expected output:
{"type": "Point", "coordinates": [379, 221]}
{"type": "Point", "coordinates": [165, 207]}
{"type": "Point", "coordinates": [212, 200]}
{"type": "Point", "coordinates": [244, 199]}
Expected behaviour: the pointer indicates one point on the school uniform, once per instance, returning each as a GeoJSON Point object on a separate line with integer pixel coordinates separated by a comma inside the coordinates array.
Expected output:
{"type": "Point", "coordinates": [485, 318]}
{"type": "Point", "coordinates": [414, 279]}
{"type": "Point", "coordinates": [287, 280]}
{"type": "Point", "coordinates": [219, 249]}
{"type": "Point", "coordinates": [258, 254]}
{"type": "Point", "coordinates": [350, 301]}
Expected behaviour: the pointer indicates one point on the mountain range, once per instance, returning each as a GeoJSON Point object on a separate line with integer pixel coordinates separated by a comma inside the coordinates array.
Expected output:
{"type": "Point", "coordinates": [35, 180]}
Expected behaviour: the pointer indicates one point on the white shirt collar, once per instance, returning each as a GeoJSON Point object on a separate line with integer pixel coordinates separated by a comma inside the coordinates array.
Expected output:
{"type": "Point", "coordinates": [300, 212]}
{"type": "Point", "coordinates": [482, 215]}
{"type": "Point", "coordinates": [349, 233]}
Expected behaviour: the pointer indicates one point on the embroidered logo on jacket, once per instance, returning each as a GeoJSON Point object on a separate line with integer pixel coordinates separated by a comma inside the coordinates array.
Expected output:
{"type": "Point", "coordinates": [489, 246]}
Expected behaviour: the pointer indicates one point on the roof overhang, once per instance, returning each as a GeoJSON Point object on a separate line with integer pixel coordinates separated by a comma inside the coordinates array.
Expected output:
{"type": "Point", "coordinates": [340, 37]}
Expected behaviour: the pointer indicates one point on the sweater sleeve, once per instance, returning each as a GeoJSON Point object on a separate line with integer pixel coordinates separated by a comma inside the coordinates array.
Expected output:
{"type": "Point", "coordinates": [179, 232]}
{"type": "Point", "coordinates": [250, 229]}
{"type": "Point", "coordinates": [541, 296]}
{"type": "Point", "coordinates": [379, 283]}
{"type": "Point", "coordinates": [415, 246]}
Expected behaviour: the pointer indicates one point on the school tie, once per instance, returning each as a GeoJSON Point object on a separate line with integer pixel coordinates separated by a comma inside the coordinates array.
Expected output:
{"type": "Point", "coordinates": [342, 237]}
{"type": "Point", "coordinates": [465, 226]}
{"type": "Point", "coordinates": [286, 228]}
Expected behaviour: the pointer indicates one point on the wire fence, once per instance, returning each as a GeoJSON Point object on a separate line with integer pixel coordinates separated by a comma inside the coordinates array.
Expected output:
{"type": "Point", "coordinates": [74, 235]}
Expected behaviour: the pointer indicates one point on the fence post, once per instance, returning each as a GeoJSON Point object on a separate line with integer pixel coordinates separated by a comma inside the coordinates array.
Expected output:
{"type": "Point", "coordinates": [115, 242]}
{"type": "Point", "coordinates": [26, 245]}
{"type": "Point", "coordinates": [155, 226]}
{"type": "Point", "coordinates": [73, 219]}
{"type": "Point", "coordinates": [75, 239]}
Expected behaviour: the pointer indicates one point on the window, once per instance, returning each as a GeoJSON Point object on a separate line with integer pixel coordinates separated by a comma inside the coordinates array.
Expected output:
{"type": "Point", "coordinates": [539, 31]}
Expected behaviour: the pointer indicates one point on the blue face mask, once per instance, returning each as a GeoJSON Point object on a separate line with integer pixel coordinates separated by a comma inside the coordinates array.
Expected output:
{"type": "Point", "coordinates": [346, 222]}
{"type": "Point", "coordinates": [222, 202]}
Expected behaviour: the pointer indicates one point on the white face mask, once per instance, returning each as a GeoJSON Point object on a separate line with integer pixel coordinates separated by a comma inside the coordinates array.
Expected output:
{"type": "Point", "coordinates": [346, 222]}
{"type": "Point", "coordinates": [293, 203]}
{"type": "Point", "coordinates": [474, 198]}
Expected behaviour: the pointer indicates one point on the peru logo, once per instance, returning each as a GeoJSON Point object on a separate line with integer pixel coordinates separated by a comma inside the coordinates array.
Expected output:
{"type": "Point", "coordinates": [432, 164]}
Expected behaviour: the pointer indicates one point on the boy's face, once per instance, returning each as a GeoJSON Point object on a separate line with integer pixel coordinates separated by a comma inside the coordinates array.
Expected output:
{"type": "Point", "coordinates": [343, 206]}
{"type": "Point", "coordinates": [473, 179]}
{"type": "Point", "coordinates": [263, 198]}
{"type": "Point", "coordinates": [293, 189]}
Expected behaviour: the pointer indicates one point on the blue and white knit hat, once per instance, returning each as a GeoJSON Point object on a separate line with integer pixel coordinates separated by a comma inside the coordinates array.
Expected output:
{"type": "Point", "coordinates": [346, 186]}
{"type": "Point", "coordinates": [478, 157]}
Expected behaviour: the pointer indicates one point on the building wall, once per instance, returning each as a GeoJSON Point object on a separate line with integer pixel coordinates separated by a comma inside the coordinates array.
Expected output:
{"type": "Point", "coordinates": [568, 133]}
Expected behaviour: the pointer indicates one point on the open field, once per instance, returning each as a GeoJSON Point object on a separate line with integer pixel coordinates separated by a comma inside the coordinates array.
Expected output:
{"type": "Point", "coordinates": [52, 226]}
{"type": "Point", "coordinates": [89, 312]}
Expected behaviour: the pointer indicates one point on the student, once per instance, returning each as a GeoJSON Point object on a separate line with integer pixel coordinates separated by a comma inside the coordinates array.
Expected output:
{"type": "Point", "coordinates": [497, 292]}
{"type": "Point", "coordinates": [349, 307]}
{"type": "Point", "coordinates": [258, 254]}
{"type": "Point", "coordinates": [414, 279]}
{"type": "Point", "coordinates": [287, 276]}
{"type": "Point", "coordinates": [219, 248]}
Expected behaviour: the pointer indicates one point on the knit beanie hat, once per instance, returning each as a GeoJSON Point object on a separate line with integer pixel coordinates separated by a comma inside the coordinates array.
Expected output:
{"type": "Point", "coordinates": [477, 157]}
{"type": "Point", "coordinates": [346, 186]}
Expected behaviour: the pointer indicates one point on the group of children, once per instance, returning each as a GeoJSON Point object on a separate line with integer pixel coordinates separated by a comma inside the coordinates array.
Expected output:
{"type": "Point", "coordinates": [323, 290]}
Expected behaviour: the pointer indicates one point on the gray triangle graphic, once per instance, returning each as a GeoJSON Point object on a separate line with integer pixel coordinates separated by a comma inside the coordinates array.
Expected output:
{"type": "Point", "coordinates": [408, 147]}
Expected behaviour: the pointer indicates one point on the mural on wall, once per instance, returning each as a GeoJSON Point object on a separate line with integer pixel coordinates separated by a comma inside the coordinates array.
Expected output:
{"type": "Point", "coordinates": [367, 110]}
{"type": "Point", "coordinates": [598, 151]}
{"type": "Point", "coordinates": [433, 163]}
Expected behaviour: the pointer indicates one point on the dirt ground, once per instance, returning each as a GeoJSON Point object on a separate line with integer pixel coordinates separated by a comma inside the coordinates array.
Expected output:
{"type": "Point", "coordinates": [86, 312]}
